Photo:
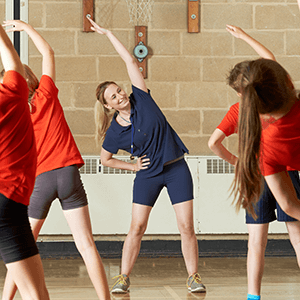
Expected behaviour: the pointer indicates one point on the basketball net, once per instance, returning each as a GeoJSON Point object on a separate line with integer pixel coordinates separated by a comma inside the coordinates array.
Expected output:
{"type": "Point", "coordinates": [139, 11]}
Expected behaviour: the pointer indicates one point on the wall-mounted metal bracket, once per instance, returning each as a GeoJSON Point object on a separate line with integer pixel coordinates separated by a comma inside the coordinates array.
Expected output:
{"type": "Point", "coordinates": [87, 9]}
{"type": "Point", "coordinates": [193, 16]}
{"type": "Point", "coordinates": [140, 51]}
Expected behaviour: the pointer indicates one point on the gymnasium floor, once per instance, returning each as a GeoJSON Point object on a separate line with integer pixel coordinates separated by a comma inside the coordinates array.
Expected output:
{"type": "Point", "coordinates": [164, 278]}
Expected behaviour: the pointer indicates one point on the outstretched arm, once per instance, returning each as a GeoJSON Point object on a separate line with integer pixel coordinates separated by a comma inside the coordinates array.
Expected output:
{"type": "Point", "coordinates": [134, 73]}
{"type": "Point", "coordinates": [260, 49]}
{"type": "Point", "coordinates": [215, 145]}
{"type": "Point", "coordinates": [48, 66]}
{"type": "Point", "coordinates": [9, 56]}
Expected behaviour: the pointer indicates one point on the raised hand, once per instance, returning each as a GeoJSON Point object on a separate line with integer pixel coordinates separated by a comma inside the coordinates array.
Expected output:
{"type": "Point", "coordinates": [9, 56]}
{"type": "Point", "coordinates": [259, 48]}
{"type": "Point", "coordinates": [235, 31]}
{"type": "Point", "coordinates": [95, 27]}
{"type": "Point", "coordinates": [133, 71]}
{"type": "Point", "coordinates": [17, 25]}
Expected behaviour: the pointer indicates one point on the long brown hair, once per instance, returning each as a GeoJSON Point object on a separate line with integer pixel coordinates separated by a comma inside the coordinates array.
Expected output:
{"type": "Point", "coordinates": [103, 116]}
{"type": "Point", "coordinates": [237, 77]}
{"type": "Point", "coordinates": [266, 88]}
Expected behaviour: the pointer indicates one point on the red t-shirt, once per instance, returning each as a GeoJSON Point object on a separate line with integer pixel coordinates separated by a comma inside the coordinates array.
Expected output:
{"type": "Point", "coordinates": [229, 124]}
{"type": "Point", "coordinates": [281, 143]}
{"type": "Point", "coordinates": [56, 147]}
{"type": "Point", "coordinates": [17, 143]}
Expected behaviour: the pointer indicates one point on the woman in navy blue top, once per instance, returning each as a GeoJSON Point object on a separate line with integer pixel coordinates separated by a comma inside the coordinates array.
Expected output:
{"type": "Point", "coordinates": [137, 125]}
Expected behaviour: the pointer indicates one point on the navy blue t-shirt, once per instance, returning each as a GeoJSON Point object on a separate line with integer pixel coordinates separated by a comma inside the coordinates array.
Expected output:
{"type": "Point", "coordinates": [153, 135]}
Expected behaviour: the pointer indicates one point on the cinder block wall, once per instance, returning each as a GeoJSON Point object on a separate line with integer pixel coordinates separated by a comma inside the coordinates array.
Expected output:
{"type": "Point", "coordinates": [187, 71]}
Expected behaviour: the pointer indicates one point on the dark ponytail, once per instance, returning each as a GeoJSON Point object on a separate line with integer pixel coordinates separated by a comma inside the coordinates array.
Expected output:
{"type": "Point", "coordinates": [266, 88]}
{"type": "Point", "coordinates": [247, 173]}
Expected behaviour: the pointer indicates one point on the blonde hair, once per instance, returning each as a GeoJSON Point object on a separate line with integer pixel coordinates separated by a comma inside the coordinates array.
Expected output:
{"type": "Point", "coordinates": [103, 115]}
{"type": "Point", "coordinates": [31, 79]}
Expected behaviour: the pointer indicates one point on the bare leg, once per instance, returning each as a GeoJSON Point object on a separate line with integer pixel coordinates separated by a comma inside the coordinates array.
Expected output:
{"type": "Point", "coordinates": [258, 236]}
{"type": "Point", "coordinates": [80, 224]}
{"type": "Point", "coordinates": [132, 244]}
{"type": "Point", "coordinates": [189, 244]}
{"type": "Point", "coordinates": [10, 288]}
{"type": "Point", "coordinates": [28, 274]}
{"type": "Point", "coordinates": [294, 232]}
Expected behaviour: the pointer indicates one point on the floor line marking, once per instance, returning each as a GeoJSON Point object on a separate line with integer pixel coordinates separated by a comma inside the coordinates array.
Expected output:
{"type": "Point", "coordinates": [171, 292]}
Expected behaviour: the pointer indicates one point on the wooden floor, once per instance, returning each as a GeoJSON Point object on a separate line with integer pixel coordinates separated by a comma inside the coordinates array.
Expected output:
{"type": "Point", "coordinates": [164, 278]}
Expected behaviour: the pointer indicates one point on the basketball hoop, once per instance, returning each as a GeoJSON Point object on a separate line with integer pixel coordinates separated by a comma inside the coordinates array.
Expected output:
{"type": "Point", "coordinates": [139, 11]}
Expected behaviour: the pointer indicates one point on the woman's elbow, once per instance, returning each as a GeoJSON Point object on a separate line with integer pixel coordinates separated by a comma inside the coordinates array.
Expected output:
{"type": "Point", "coordinates": [212, 144]}
{"type": "Point", "coordinates": [104, 162]}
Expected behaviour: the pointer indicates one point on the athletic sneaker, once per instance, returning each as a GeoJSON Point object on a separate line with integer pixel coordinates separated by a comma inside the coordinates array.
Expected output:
{"type": "Point", "coordinates": [195, 284]}
{"type": "Point", "coordinates": [122, 284]}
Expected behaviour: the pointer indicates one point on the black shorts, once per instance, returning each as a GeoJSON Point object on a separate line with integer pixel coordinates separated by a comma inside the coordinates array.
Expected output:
{"type": "Point", "coordinates": [63, 183]}
{"type": "Point", "coordinates": [267, 204]}
{"type": "Point", "coordinates": [16, 238]}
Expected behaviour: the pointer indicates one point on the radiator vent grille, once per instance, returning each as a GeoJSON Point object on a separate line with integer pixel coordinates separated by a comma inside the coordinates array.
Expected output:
{"type": "Point", "coordinates": [90, 166]}
{"type": "Point", "coordinates": [219, 166]}
{"type": "Point", "coordinates": [93, 166]}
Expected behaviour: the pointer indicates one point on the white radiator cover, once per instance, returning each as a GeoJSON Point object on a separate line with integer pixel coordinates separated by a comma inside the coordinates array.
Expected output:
{"type": "Point", "coordinates": [110, 199]}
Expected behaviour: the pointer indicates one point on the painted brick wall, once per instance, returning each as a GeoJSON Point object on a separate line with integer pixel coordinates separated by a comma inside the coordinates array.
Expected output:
{"type": "Point", "coordinates": [187, 72]}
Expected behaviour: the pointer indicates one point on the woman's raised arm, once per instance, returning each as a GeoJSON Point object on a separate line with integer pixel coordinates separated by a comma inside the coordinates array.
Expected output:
{"type": "Point", "coordinates": [259, 48]}
{"type": "Point", "coordinates": [134, 73]}
{"type": "Point", "coordinates": [9, 56]}
{"type": "Point", "coordinates": [48, 65]}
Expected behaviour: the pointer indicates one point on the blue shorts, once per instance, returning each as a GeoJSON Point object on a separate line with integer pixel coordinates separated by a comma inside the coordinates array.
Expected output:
{"type": "Point", "coordinates": [64, 184]}
{"type": "Point", "coordinates": [176, 177]}
{"type": "Point", "coordinates": [16, 238]}
{"type": "Point", "coordinates": [265, 208]}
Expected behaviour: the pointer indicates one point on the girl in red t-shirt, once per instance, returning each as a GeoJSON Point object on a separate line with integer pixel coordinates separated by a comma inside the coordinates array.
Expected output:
{"type": "Point", "coordinates": [17, 173]}
{"type": "Point", "coordinates": [58, 160]}
{"type": "Point", "coordinates": [265, 207]}
{"type": "Point", "coordinates": [269, 151]}
{"type": "Point", "coordinates": [268, 93]}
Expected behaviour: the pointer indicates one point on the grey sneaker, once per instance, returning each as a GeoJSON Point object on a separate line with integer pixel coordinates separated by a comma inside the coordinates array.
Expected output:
{"type": "Point", "coordinates": [122, 284]}
{"type": "Point", "coordinates": [195, 284]}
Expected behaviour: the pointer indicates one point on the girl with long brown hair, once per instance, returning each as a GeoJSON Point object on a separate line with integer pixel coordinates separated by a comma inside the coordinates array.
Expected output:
{"type": "Point", "coordinates": [267, 205]}
{"type": "Point", "coordinates": [269, 150]}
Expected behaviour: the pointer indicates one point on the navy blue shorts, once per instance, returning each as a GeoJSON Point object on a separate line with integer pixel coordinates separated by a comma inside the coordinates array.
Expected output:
{"type": "Point", "coordinates": [265, 208]}
{"type": "Point", "coordinates": [176, 177]}
{"type": "Point", "coordinates": [64, 184]}
{"type": "Point", "coordinates": [16, 238]}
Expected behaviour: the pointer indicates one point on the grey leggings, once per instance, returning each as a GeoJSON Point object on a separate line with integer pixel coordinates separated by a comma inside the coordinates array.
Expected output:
{"type": "Point", "coordinates": [63, 183]}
